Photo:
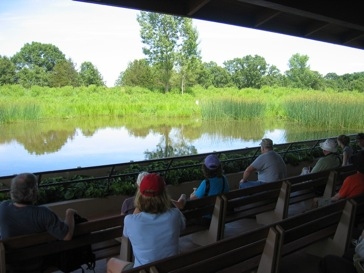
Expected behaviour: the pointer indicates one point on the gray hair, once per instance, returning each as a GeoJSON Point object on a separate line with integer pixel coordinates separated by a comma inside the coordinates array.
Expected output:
{"type": "Point", "coordinates": [24, 188]}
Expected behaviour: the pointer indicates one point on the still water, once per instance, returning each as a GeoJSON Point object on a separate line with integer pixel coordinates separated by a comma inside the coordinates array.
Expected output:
{"type": "Point", "coordinates": [62, 144]}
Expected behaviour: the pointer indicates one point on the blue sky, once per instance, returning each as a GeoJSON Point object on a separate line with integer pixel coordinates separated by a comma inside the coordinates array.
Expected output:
{"type": "Point", "coordinates": [109, 38]}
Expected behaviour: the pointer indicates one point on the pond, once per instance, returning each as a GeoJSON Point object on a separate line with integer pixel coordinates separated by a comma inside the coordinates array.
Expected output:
{"type": "Point", "coordinates": [62, 144]}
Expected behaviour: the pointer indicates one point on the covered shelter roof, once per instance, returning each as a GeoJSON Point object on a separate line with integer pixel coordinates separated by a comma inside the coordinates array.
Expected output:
{"type": "Point", "coordinates": [337, 22]}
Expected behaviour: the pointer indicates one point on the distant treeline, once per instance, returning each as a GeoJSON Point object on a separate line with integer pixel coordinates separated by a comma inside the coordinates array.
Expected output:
{"type": "Point", "coordinates": [38, 64]}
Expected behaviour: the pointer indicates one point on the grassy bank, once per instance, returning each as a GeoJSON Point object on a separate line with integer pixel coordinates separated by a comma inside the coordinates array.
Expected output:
{"type": "Point", "coordinates": [307, 107]}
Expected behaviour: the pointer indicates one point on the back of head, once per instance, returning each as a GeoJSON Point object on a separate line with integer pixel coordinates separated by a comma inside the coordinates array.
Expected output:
{"type": "Point", "coordinates": [24, 188]}
{"type": "Point", "coordinates": [345, 140]}
{"type": "Point", "coordinates": [152, 196]}
{"type": "Point", "coordinates": [358, 161]}
{"type": "Point", "coordinates": [267, 143]}
{"type": "Point", "coordinates": [360, 136]}
{"type": "Point", "coordinates": [211, 166]}
{"type": "Point", "coordinates": [329, 145]}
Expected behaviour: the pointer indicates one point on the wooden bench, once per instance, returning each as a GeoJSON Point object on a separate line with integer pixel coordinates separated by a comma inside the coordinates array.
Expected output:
{"type": "Point", "coordinates": [245, 248]}
{"type": "Point", "coordinates": [197, 213]}
{"type": "Point", "coordinates": [100, 233]}
{"type": "Point", "coordinates": [295, 190]}
{"type": "Point", "coordinates": [243, 203]}
{"type": "Point", "coordinates": [202, 230]}
{"type": "Point", "coordinates": [262, 249]}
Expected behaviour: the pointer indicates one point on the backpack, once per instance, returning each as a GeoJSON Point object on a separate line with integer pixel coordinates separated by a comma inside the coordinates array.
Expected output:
{"type": "Point", "coordinates": [207, 188]}
{"type": "Point", "coordinates": [73, 259]}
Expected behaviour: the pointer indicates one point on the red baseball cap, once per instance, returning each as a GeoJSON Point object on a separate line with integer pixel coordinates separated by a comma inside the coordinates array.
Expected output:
{"type": "Point", "coordinates": [152, 185]}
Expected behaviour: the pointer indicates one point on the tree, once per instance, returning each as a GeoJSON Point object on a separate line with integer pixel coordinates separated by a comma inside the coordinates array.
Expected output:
{"type": "Point", "coordinates": [29, 77]}
{"type": "Point", "coordinates": [90, 75]}
{"type": "Point", "coordinates": [211, 74]}
{"type": "Point", "coordinates": [138, 73]}
{"type": "Point", "coordinates": [188, 56]}
{"type": "Point", "coordinates": [273, 77]}
{"type": "Point", "coordinates": [7, 71]}
{"type": "Point", "coordinates": [36, 60]}
{"type": "Point", "coordinates": [167, 40]}
{"type": "Point", "coordinates": [299, 74]}
{"type": "Point", "coordinates": [38, 55]}
{"type": "Point", "coordinates": [64, 74]}
{"type": "Point", "coordinates": [247, 71]}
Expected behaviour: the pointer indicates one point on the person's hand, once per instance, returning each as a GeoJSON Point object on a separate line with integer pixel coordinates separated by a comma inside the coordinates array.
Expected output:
{"type": "Point", "coordinates": [71, 211]}
{"type": "Point", "coordinates": [193, 194]}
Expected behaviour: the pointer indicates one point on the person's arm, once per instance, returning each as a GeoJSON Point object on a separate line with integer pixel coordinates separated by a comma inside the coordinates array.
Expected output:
{"type": "Point", "coordinates": [70, 222]}
{"type": "Point", "coordinates": [250, 169]}
{"type": "Point", "coordinates": [345, 159]}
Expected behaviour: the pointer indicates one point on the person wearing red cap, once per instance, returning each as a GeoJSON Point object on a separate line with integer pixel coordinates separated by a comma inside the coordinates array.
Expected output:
{"type": "Point", "coordinates": [155, 226]}
{"type": "Point", "coordinates": [215, 182]}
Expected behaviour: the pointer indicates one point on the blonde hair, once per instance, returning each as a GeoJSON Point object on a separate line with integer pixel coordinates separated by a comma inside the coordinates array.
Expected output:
{"type": "Point", "coordinates": [153, 204]}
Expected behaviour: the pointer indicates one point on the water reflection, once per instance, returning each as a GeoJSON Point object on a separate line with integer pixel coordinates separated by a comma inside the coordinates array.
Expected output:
{"type": "Point", "coordinates": [61, 144]}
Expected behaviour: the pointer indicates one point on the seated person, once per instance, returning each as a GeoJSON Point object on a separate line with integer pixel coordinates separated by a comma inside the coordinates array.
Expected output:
{"type": "Point", "coordinates": [353, 184]}
{"type": "Point", "coordinates": [19, 216]}
{"type": "Point", "coordinates": [128, 204]}
{"type": "Point", "coordinates": [344, 142]}
{"type": "Point", "coordinates": [269, 165]}
{"type": "Point", "coordinates": [154, 228]}
{"type": "Point", "coordinates": [215, 182]}
{"type": "Point", "coordinates": [330, 160]}
{"type": "Point", "coordinates": [360, 141]}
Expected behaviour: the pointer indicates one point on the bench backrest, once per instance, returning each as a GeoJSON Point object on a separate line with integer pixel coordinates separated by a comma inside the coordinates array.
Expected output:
{"type": "Point", "coordinates": [261, 248]}
{"type": "Point", "coordinates": [250, 201]}
{"type": "Point", "coordinates": [100, 233]}
{"type": "Point", "coordinates": [216, 256]}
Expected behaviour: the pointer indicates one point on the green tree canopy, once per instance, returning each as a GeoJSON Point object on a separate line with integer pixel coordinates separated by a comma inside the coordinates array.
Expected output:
{"type": "Point", "coordinates": [37, 54]}
{"type": "Point", "coordinates": [299, 74]}
{"type": "Point", "coordinates": [34, 63]}
{"type": "Point", "coordinates": [90, 75]}
{"type": "Point", "coordinates": [138, 73]}
{"type": "Point", "coordinates": [7, 71]}
{"type": "Point", "coordinates": [167, 38]}
{"type": "Point", "coordinates": [64, 74]}
{"type": "Point", "coordinates": [247, 71]}
{"type": "Point", "coordinates": [211, 74]}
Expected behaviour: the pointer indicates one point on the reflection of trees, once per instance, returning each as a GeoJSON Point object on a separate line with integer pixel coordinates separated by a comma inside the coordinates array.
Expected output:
{"type": "Point", "coordinates": [176, 134]}
{"type": "Point", "coordinates": [295, 132]}
{"type": "Point", "coordinates": [36, 137]}
{"type": "Point", "coordinates": [170, 146]}
{"type": "Point", "coordinates": [227, 129]}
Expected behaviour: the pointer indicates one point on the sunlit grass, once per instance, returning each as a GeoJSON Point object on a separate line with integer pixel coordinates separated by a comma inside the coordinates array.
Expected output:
{"type": "Point", "coordinates": [315, 108]}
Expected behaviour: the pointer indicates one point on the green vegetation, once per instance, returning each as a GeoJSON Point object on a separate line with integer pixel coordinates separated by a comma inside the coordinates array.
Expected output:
{"type": "Point", "coordinates": [307, 107]}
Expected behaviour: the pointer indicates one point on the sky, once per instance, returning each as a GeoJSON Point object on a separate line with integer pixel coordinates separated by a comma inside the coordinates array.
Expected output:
{"type": "Point", "coordinates": [109, 37]}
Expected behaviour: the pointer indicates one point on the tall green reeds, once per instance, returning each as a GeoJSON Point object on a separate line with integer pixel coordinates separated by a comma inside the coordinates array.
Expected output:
{"type": "Point", "coordinates": [19, 111]}
{"type": "Point", "coordinates": [307, 107]}
{"type": "Point", "coordinates": [335, 110]}
{"type": "Point", "coordinates": [231, 109]}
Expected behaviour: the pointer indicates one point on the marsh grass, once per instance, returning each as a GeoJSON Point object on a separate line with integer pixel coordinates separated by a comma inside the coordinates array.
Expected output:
{"type": "Point", "coordinates": [19, 111]}
{"type": "Point", "coordinates": [231, 109]}
{"type": "Point", "coordinates": [315, 108]}
{"type": "Point", "coordinates": [325, 110]}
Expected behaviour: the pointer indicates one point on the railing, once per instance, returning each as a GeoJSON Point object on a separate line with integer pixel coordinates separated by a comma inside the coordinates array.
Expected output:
{"type": "Point", "coordinates": [232, 160]}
